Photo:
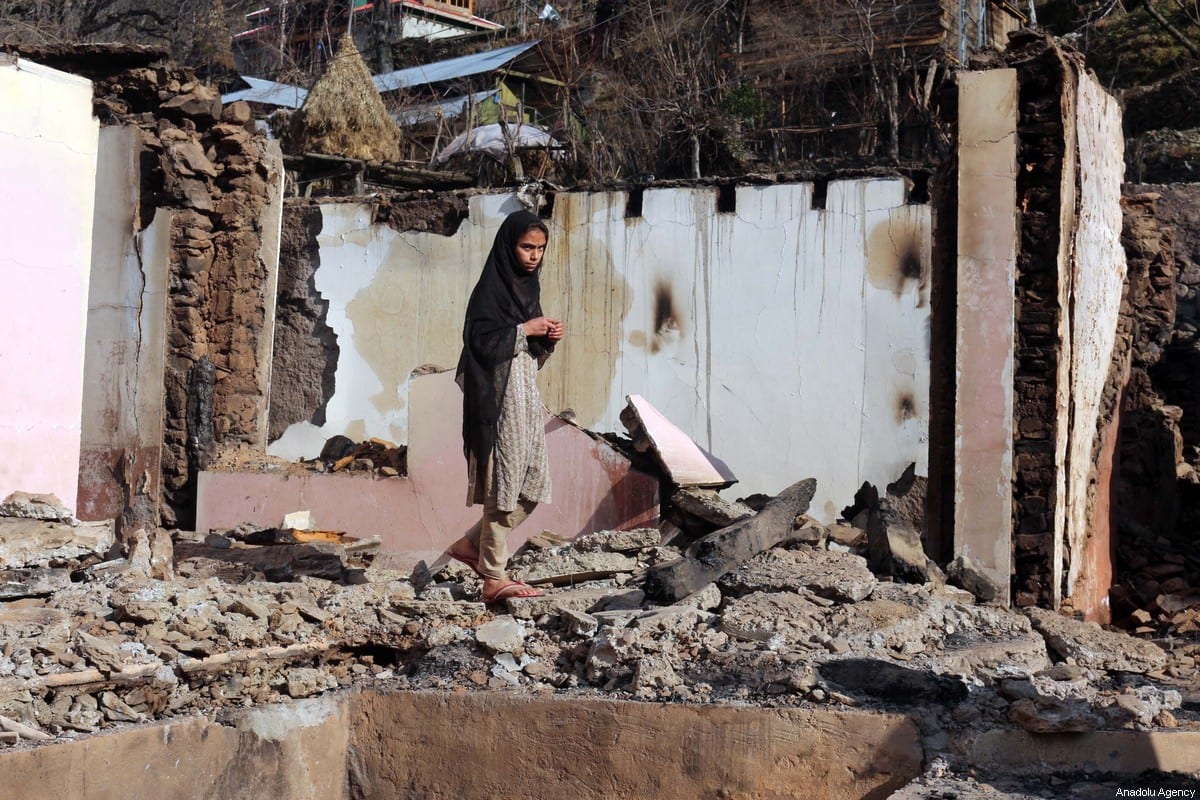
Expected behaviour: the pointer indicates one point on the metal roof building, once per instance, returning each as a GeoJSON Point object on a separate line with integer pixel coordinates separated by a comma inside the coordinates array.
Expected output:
{"type": "Point", "coordinates": [268, 93]}
{"type": "Point", "coordinates": [451, 68]}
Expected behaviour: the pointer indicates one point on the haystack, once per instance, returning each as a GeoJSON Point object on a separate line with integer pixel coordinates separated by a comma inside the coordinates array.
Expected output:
{"type": "Point", "coordinates": [344, 115]}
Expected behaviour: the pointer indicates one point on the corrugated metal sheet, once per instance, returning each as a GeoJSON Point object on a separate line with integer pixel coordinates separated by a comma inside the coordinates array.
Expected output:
{"type": "Point", "coordinates": [451, 68]}
{"type": "Point", "coordinates": [450, 108]}
{"type": "Point", "coordinates": [268, 93]}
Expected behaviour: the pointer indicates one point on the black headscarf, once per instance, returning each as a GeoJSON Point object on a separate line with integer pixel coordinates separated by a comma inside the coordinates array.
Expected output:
{"type": "Point", "coordinates": [506, 296]}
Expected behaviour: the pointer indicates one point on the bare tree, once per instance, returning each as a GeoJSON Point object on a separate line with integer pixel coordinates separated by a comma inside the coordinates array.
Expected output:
{"type": "Point", "coordinates": [195, 32]}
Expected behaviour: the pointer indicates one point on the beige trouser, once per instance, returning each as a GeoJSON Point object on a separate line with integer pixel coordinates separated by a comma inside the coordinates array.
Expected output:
{"type": "Point", "coordinates": [490, 536]}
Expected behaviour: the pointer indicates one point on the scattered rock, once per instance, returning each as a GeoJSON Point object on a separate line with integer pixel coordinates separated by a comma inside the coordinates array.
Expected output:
{"type": "Point", "coordinates": [837, 576]}
{"type": "Point", "coordinates": [964, 573]}
{"type": "Point", "coordinates": [567, 566]}
{"type": "Point", "coordinates": [778, 618]}
{"type": "Point", "coordinates": [847, 535]}
{"type": "Point", "coordinates": [25, 505]}
{"type": "Point", "coordinates": [1088, 645]}
{"type": "Point", "coordinates": [618, 541]}
{"type": "Point", "coordinates": [32, 542]}
{"type": "Point", "coordinates": [1050, 715]}
{"type": "Point", "coordinates": [709, 507]}
{"type": "Point", "coordinates": [504, 634]}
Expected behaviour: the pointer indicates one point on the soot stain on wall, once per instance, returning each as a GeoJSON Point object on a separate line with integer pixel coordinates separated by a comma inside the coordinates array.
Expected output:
{"type": "Point", "coordinates": [906, 407]}
{"type": "Point", "coordinates": [897, 254]}
{"type": "Point", "coordinates": [666, 326]}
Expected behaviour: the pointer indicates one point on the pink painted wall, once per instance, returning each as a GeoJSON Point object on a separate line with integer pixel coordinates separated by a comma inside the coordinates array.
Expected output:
{"type": "Point", "coordinates": [48, 145]}
{"type": "Point", "coordinates": [419, 516]}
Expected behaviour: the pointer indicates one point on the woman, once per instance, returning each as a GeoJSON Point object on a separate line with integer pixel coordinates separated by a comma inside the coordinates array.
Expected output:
{"type": "Point", "coordinates": [506, 339]}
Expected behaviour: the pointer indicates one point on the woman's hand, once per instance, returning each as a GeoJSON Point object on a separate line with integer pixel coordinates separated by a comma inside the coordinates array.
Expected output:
{"type": "Point", "coordinates": [545, 326]}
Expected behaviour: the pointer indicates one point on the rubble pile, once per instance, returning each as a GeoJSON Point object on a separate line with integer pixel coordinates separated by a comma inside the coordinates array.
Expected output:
{"type": "Point", "coordinates": [800, 619]}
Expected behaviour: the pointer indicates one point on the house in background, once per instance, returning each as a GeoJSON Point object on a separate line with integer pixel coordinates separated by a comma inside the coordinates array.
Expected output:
{"type": "Point", "coordinates": [265, 96]}
{"type": "Point", "coordinates": [301, 33]}
{"type": "Point", "coordinates": [434, 102]}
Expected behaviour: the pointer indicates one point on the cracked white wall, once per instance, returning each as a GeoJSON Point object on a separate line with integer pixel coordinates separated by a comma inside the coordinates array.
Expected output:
{"type": "Point", "coordinates": [1097, 276]}
{"type": "Point", "coordinates": [48, 143]}
{"type": "Point", "coordinates": [122, 432]}
{"type": "Point", "coordinates": [788, 341]}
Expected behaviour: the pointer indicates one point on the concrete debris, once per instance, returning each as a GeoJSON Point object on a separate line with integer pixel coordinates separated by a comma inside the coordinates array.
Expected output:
{"type": "Point", "coordinates": [892, 683]}
{"type": "Point", "coordinates": [568, 566]}
{"type": "Point", "coordinates": [712, 556]}
{"type": "Point", "coordinates": [708, 507]}
{"type": "Point", "coordinates": [964, 573]}
{"type": "Point", "coordinates": [504, 634]}
{"type": "Point", "coordinates": [32, 542]}
{"type": "Point", "coordinates": [894, 543]}
{"type": "Point", "coordinates": [35, 506]}
{"type": "Point", "coordinates": [151, 553]}
{"type": "Point", "coordinates": [18, 583]}
{"type": "Point", "coordinates": [786, 624]}
{"type": "Point", "coordinates": [837, 576]}
{"type": "Point", "coordinates": [1088, 645]}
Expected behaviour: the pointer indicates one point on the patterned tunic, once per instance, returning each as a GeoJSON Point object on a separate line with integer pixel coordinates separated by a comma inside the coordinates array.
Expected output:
{"type": "Point", "coordinates": [519, 465]}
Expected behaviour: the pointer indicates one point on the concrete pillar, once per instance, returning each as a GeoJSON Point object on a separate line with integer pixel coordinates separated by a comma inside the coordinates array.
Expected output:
{"type": "Point", "coordinates": [48, 141]}
{"type": "Point", "coordinates": [120, 462]}
{"type": "Point", "coordinates": [987, 251]}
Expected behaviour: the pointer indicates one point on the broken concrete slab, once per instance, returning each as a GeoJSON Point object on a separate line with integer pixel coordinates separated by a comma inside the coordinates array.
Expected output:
{"type": "Point", "coordinates": [683, 461]}
{"type": "Point", "coordinates": [569, 566]}
{"type": "Point", "coordinates": [897, 550]}
{"type": "Point", "coordinates": [40, 582]}
{"type": "Point", "coordinates": [26, 505]}
{"type": "Point", "coordinates": [717, 553]}
{"type": "Point", "coordinates": [912, 624]}
{"type": "Point", "coordinates": [1088, 645]}
{"type": "Point", "coordinates": [504, 634]}
{"type": "Point", "coordinates": [618, 541]}
{"type": "Point", "coordinates": [579, 599]}
{"type": "Point", "coordinates": [1052, 715]}
{"type": "Point", "coordinates": [277, 562]}
{"type": "Point", "coordinates": [710, 507]}
{"type": "Point", "coordinates": [837, 576]}
{"type": "Point", "coordinates": [37, 542]}
{"type": "Point", "coordinates": [964, 573]}
{"type": "Point", "coordinates": [777, 618]}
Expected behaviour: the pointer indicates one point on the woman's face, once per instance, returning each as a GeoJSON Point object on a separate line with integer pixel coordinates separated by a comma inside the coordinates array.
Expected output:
{"type": "Point", "coordinates": [530, 248]}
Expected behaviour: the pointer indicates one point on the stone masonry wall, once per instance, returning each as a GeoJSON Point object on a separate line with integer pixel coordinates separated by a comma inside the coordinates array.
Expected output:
{"type": "Point", "coordinates": [210, 169]}
{"type": "Point", "coordinates": [1150, 441]}
{"type": "Point", "coordinates": [1040, 133]}
{"type": "Point", "coordinates": [215, 173]}
{"type": "Point", "coordinates": [305, 347]}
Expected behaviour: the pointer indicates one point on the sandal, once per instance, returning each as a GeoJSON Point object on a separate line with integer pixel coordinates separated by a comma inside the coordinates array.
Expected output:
{"type": "Point", "coordinates": [512, 589]}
